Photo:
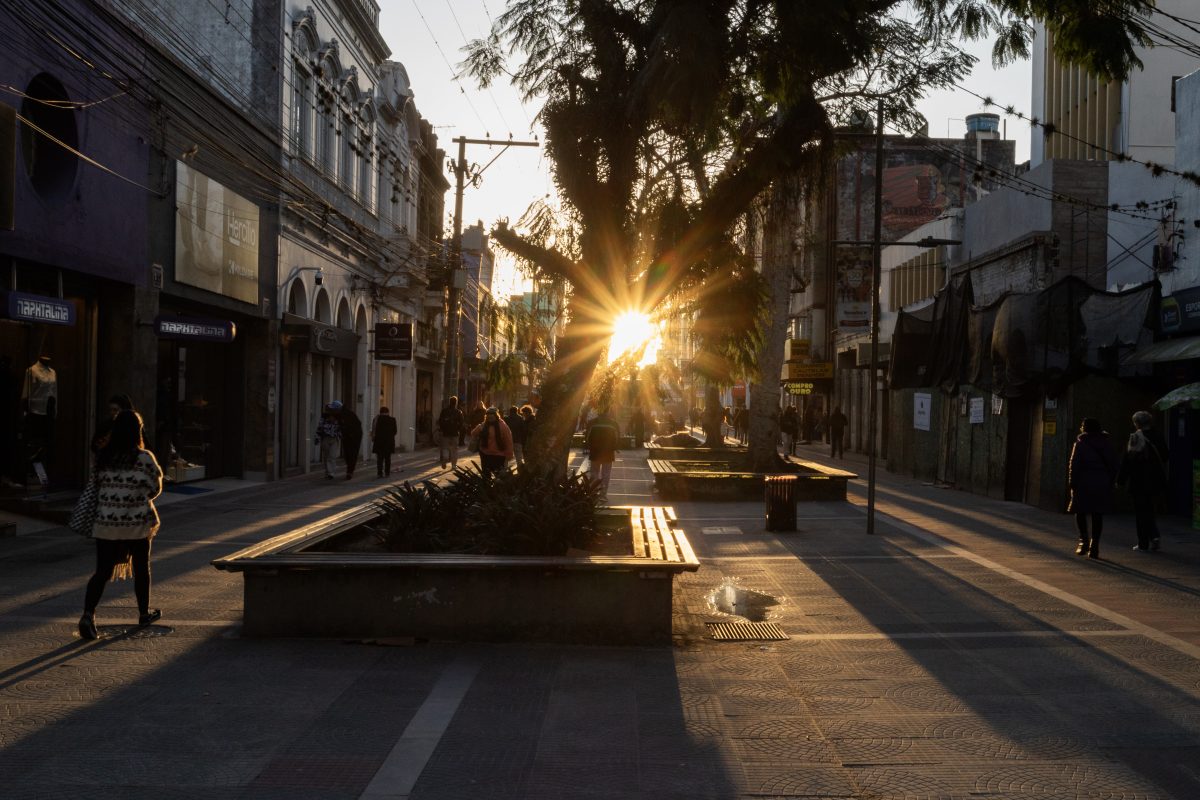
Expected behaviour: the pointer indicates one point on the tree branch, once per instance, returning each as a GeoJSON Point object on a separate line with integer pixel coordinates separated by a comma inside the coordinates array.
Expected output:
{"type": "Point", "coordinates": [546, 259]}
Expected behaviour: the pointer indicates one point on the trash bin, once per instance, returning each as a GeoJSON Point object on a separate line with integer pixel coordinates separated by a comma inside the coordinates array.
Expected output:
{"type": "Point", "coordinates": [780, 502]}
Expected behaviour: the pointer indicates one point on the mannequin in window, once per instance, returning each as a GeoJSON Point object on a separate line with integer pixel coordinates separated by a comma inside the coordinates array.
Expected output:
{"type": "Point", "coordinates": [39, 397]}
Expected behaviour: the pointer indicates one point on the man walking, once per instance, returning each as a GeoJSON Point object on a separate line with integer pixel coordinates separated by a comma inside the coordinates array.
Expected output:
{"type": "Point", "coordinates": [602, 437]}
{"type": "Point", "coordinates": [837, 430]}
{"type": "Point", "coordinates": [451, 427]}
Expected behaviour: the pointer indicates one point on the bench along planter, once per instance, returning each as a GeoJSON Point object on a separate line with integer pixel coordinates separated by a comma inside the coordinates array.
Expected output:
{"type": "Point", "coordinates": [294, 588]}
{"type": "Point", "coordinates": [702, 477]}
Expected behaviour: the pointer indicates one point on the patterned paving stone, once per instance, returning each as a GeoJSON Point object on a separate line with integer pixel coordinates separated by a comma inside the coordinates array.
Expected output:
{"type": "Point", "coordinates": [790, 780]}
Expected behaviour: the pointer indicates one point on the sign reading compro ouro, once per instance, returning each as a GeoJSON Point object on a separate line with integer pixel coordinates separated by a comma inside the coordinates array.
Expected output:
{"type": "Point", "coordinates": [194, 328]}
{"type": "Point", "coordinates": [35, 308]}
{"type": "Point", "coordinates": [393, 341]}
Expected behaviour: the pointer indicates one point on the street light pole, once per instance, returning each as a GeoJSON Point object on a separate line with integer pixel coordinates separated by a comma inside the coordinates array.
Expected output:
{"type": "Point", "coordinates": [876, 272]}
{"type": "Point", "coordinates": [462, 173]}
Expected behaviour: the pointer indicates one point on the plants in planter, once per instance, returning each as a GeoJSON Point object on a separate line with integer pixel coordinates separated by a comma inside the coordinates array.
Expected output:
{"type": "Point", "coordinates": [514, 513]}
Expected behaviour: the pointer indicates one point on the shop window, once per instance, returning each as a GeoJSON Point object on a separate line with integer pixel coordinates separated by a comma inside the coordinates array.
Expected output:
{"type": "Point", "coordinates": [297, 301]}
{"type": "Point", "coordinates": [51, 167]}
{"type": "Point", "coordinates": [321, 309]}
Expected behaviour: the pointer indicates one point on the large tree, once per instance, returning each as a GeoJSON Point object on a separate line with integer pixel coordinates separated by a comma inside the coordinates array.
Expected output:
{"type": "Point", "coordinates": [665, 119]}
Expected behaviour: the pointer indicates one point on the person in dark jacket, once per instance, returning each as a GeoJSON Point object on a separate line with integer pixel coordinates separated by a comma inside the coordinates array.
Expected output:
{"type": "Point", "coordinates": [602, 437]}
{"type": "Point", "coordinates": [451, 428]}
{"type": "Point", "coordinates": [383, 441]}
{"type": "Point", "coordinates": [1143, 470]}
{"type": "Point", "coordinates": [516, 426]}
{"type": "Point", "coordinates": [637, 421]}
{"type": "Point", "coordinates": [352, 435]}
{"type": "Point", "coordinates": [789, 426]}
{"type": "Point", "coordinates": [1090, 477]}
{"type": "Point", "coordinates": [837, 433]}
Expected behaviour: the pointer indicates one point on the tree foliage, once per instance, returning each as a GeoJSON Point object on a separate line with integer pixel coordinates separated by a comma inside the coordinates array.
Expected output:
{"type": "Point", "coordinates": [664, 120]}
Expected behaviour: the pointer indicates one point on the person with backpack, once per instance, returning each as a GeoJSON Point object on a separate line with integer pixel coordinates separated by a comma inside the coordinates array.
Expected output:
{"type": "Point", "coordinates": [451, 427]}
{"type": "Point", "coordinates": [329, 437]}
{"type": "Point", "coordinates": [1090, 477]}
{"type": "Point", "coordinates": [1143, 470]}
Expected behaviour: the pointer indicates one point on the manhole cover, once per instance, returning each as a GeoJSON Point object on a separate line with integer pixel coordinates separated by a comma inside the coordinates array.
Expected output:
{"type": "Point", "coordinates": [746, 632]}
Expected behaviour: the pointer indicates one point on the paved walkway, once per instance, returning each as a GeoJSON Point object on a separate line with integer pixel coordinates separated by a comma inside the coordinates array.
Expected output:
{"type": "Point", "coordinates": [964, 651]}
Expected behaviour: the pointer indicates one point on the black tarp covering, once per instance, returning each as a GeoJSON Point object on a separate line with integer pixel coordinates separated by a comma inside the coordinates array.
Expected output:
{"type": "Point", "coordinates": [1022, 343]}
{"type": "Point", "coordinates": [911, 342]}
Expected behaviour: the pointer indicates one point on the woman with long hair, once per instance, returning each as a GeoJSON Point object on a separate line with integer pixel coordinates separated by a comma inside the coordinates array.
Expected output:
{"type": "Point", "coordinates": [495, 442]}
{"type": "Point", "coordinates": [128, 479]}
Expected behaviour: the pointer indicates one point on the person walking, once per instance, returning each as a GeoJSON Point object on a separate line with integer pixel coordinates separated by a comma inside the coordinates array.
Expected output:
{"type": "Point", "coordinates": [451, 429]}
{"type": "Point", "coordinates": [837, 433]}
{"type": "Point", "coordinates": [1090, 477]}
{"type": "Point", "coordinates": [789, 424]}
{"type": "Point", "coordinates": [808, 424]}
{"type": "Point", "coordinates": [475, 418]}
{"type": "Point", "coordinates": [1143, 471]}
{"type": "Point", "coordinates": [516, 424]}
{"type": "Point", "coordinates": [116, 404]}
{"type": "Point", "coordinates": [352, 436]}
{"type": "Point", "coordinates": [637, 421]}
{"type": "Point", "coordinates": [495, 442]}
{"type": "Point", "coordinates": [329, 437]}
{"type": "Point", "coordinates": [602, 437]}
{"type": "Point", "coordinates": [383, 441]}
{"type": "Point", "coordinates": [128, 479]}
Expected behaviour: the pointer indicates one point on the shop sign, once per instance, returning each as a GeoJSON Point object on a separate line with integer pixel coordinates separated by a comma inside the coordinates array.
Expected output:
{"type": "Point", "coordinates": [922, 410]}
{"type": "Point", "coordinates": [194, 329]}
{"type": "Point", "coordinates": [35, 308]}
{"type": "Point", "coordinates": [808, 372]}
{"type": "Point", "coordinates": [394, 341]}
{"type": "Point", "coordinates": [1180, 312]}
{"type": "Point", "coordinates": [315, 337]}
{"type": "Point", "coordinates": [800, 387]}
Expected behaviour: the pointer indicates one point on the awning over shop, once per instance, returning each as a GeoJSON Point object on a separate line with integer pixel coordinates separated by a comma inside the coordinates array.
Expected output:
{"type": "Point", "coordinates": [1170, 350]}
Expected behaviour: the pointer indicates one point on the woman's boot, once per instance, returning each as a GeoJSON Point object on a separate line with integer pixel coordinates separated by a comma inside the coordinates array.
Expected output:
{"type": "Point", "coordinates": [1081, 549]}
{"type": "Point", "coordinates": [1094, 549]}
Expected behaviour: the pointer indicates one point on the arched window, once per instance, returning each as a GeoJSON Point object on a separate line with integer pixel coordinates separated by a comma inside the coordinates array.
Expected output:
{"type": "Point", "coordinates": [349, 131]}
{"type": "Point", "coordinates": [383, 205]}
{"type": "Point", "coordinates": [344, 320]}
{"type": "Point", "coordinates": [366, 147]}
{"type": "Point", "coordinates": [321, 310]}
{"type": "Point", "coordinates": [304, 44]}
{"type": "Point", "coordinates": [297, 299]}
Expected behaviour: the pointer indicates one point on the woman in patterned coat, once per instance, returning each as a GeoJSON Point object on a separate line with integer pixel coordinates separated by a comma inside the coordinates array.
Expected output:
{"type": "Point", "coordinates": [128, 479]}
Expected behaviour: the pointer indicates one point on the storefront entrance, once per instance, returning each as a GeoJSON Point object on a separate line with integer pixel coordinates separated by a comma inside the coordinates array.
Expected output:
{"type": "Point", "coordinates": [198, 434]}
{"type": "Point", "coordinates": [45, 391]}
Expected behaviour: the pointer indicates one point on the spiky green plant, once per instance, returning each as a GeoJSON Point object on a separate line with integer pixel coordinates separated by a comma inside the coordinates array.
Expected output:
{"type": "Point", "coordinates": [512, 513]}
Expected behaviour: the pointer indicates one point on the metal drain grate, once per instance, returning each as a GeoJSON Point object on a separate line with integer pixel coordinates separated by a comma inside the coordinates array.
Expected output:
{"type": "Point", "coordinates": [746, 632]}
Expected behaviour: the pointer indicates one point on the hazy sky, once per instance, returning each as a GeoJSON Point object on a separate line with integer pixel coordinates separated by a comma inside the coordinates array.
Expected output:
{"type": "Point", "coordinates": [427, 36]}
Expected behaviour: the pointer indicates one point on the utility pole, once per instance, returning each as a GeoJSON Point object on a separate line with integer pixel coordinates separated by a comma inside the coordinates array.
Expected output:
{"type": "Point", "coordinates": [457, 277]}
{"type": "Point", "coordinates": [876, 272]}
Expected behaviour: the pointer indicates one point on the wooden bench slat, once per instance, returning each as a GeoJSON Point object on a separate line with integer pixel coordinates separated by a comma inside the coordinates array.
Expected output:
{"type": "Point", "coordinates": [652, 542]}
{"type": "Point", "coordinates": [670, 549]}
{"type": "Point", "coordinates": [639, 538]}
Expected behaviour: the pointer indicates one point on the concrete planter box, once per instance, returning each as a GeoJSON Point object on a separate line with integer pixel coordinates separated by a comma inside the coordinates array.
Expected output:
{"type": "Point", "coordinates": [292, 588]}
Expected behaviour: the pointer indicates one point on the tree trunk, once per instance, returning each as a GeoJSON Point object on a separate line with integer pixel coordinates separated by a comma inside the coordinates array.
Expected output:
{"type": "Point", "coordinates": [777, 272]}
{"type": "Point", "coordinates": [565, 388]}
